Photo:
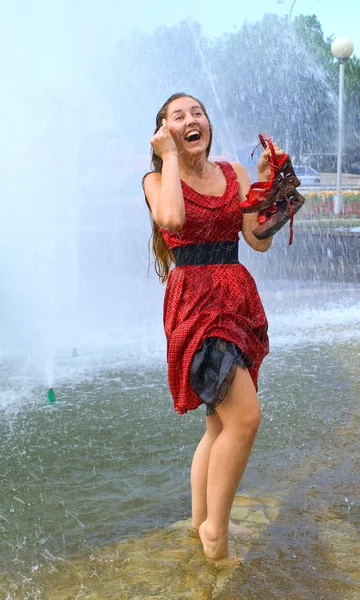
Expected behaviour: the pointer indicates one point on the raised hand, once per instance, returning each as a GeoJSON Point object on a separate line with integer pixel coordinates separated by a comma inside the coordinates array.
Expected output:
{"type": "Point", "coordinates": [163, 142]}
{"type": "Point", "coordinates": [263, 165]}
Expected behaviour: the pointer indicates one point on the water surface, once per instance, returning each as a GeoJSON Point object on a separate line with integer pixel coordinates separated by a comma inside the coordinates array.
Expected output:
{"type": "Point", "coordinates": [99, 477]}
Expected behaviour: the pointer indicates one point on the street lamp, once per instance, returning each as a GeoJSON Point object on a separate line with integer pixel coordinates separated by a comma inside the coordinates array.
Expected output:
{"type": "Point", "coordinates": [342, 48]}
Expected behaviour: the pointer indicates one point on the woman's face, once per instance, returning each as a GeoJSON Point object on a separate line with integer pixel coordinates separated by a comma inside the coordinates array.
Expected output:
{"type": "Point", "coordinates": [188, 125]}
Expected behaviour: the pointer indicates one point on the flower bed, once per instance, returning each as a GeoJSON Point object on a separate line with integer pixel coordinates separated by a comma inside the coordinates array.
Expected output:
{"type": "Point", "coordinates": [320, 205]}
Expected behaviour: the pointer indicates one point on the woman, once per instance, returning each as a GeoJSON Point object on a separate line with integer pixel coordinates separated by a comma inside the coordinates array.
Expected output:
{"type": "Point", "coordinates": [215, 324]}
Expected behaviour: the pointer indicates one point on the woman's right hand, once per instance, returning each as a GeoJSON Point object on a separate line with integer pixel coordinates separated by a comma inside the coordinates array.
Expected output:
{"type": "Point", "coordinates": [163, 142]}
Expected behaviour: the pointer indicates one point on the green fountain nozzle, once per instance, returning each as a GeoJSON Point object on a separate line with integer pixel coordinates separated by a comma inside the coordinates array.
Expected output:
{"type": "Point", "coordinates": [51, 395]}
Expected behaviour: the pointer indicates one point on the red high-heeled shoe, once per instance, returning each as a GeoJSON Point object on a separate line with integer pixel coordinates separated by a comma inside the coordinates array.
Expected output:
{"type": "Point", "coordinates": [263, 194]}
{"type": "Point", "coordinates": [276, 200]}
{"type": "Point", "coordinates": [276, 216]}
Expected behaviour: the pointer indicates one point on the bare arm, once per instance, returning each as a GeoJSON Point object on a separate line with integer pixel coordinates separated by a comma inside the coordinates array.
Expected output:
{"type": "Point", "coordinates": [163, 190]}
{"type": "Point", "coordinates": [250, 220]}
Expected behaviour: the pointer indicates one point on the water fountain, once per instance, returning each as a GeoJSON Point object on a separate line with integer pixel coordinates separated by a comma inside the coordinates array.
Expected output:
{"type": "Point", "coordinates": [95, 491]}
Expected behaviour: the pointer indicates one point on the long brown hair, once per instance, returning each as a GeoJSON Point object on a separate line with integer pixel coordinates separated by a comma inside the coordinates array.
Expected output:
{"type": "Point", "coordinates": [163, 256]}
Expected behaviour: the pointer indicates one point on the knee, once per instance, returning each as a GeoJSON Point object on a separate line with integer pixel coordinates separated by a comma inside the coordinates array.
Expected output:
{"type": "Point", "coordinates": [252, 421]}
{"type": "Point", "coordinates": [249, 423]}
{"type": "Point", "coordinates": [241, 415]}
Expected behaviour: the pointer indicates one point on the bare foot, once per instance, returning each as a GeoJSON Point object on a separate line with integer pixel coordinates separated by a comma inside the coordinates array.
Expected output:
{"type": "Point", "coordinates": [194, 532]}
{"type": "Point", "coordinates": [229, 562]}
{"type": "Point", "coordinates": [234, 529]}
{"type": "Point", "coordinates": [215, 546]}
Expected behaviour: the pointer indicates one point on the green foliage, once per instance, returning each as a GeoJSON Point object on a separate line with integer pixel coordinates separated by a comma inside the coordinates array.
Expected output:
{"type": "Point", "coordinates": [274, 76]}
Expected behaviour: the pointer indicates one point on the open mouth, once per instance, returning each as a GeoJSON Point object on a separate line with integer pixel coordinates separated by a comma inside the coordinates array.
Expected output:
{"type": "Point", "coordinates": [193, 136]}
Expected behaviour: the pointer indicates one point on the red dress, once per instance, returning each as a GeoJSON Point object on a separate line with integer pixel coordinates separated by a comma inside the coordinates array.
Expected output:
{"type": "Point", "coordinates": [210, 300]}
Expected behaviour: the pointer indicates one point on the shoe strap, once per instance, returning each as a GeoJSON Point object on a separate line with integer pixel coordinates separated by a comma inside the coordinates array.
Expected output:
{"type": "Point", "coordinates": [265, 142]}
{"type": "Point", "coordinates": [291, 233]}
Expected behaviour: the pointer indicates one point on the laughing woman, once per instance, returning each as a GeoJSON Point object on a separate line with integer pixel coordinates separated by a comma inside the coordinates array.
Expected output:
{"type": "Point", "coordinates": [215, 324]}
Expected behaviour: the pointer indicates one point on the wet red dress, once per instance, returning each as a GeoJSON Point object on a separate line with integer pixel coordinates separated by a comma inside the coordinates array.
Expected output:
{"type": "Point", "coordinates": [208, 301]}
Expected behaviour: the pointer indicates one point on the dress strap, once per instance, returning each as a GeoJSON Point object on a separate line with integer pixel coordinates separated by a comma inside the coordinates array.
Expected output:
{"type": "Point", "coordinates": [227, 168]}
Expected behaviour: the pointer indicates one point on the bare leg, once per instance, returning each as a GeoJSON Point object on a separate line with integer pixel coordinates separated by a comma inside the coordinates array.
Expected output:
{"type": "Point", "coordinates": [240, 415]}
{"type": "Point", "coordinates": [199, 475]}
{"type": "Point", "coordinates": [199, 471]}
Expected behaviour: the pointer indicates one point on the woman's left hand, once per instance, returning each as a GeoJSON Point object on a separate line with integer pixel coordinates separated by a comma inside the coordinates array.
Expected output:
{"type": "Point", "coordinates": [264, 170]}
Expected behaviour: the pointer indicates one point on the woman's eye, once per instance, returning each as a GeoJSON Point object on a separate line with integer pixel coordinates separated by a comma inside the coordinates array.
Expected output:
{"type": "Point", "coordinates": [178, 118]}
{"type": "Point", "coordinates": [198, 113]}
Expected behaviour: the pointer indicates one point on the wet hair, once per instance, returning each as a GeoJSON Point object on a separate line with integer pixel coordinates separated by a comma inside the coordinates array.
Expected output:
{"type": "Point", "coordinates": [163, 256]}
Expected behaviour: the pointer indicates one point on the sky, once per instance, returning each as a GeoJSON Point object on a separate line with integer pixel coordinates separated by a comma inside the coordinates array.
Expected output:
{"type": "Point", "coordinates": [337, 18]}
{"type": "Point", "coordinates": [41, 38]}
{"type": "Point", "coordinates": [100, 23]}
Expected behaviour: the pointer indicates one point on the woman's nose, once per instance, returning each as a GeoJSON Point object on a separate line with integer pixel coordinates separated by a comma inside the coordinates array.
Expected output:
{"type": "Point", "coordinates": [191, 120]}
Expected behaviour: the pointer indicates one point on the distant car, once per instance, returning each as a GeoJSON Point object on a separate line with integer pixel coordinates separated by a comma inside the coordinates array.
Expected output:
{"type": "Point", "coordinates": [355, 168]}
{"type": "Point", "coordinates": [307, 175]}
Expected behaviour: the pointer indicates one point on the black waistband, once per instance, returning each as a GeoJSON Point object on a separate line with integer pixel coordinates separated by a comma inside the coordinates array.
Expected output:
{"type": "Point", "coordinates": [212, 253]}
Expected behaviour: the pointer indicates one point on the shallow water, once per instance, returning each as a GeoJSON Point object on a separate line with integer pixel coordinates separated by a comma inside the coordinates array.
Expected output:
{"type": "Point", "coordinates": [92, 484]}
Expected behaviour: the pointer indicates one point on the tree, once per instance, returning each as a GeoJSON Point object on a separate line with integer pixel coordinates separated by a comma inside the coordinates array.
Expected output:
{"type": "Point", "coordinates": [272, 76]}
